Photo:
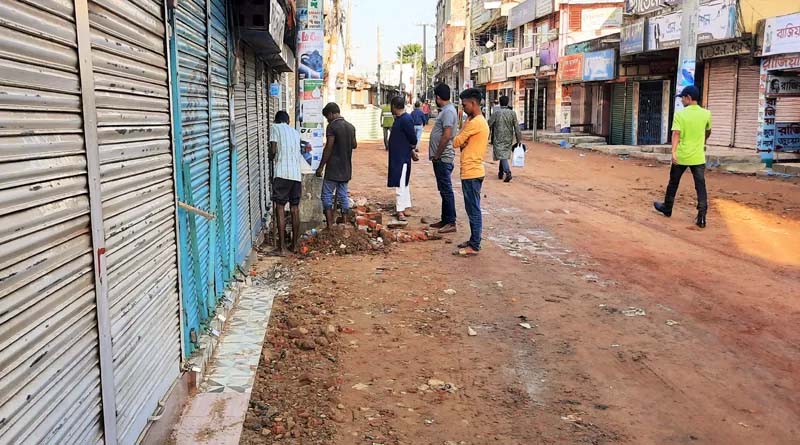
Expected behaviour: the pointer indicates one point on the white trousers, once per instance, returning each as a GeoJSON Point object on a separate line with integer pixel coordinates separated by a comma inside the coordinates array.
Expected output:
{"type": "Point", "coordinates": [403, 193]}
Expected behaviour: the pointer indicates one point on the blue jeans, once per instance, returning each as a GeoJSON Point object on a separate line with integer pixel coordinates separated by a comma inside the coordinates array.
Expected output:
{"type": "Point", "coordinates": [505, 168]}
{"type": "Point", "coordinates": [418, 130]}
{"type": "Point", "coordinates": [471, 188]}
{"type": "Point", "coordinates": [443, 171]}
{"type": "Point", "coordinates": [342, 194]}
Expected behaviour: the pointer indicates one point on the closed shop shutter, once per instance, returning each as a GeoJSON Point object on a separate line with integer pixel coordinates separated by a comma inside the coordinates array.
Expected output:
{"type": "Point", "coordinates": [787, 109]}
{"type": "Point", "coordinates": [253, 143]}
{"type": "Point", "coordinates": [243, 172]}
{"type": "Point", "coordinates": [49, 361]}
{"type": "Point", "coordinates": [628, 137]}
{"type": "Point", "coordinates": [721, 86]}
{"type": "Point", "coordinates": [133, 121]}
{"type": "Point", "coordinates": [746, 126]}
{"type": "Point", "coordinates": [622, 114]}
{"type": "Point", "coordinates": [550, 106]}
{"type": "Point", "coordinates": [220, 143]}
{"type": "Point", "coordinates": [262, 83]}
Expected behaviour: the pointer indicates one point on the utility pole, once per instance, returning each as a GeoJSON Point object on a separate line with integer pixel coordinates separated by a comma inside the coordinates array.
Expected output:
{"type": "Point", "coordinates": [425, 58]}
{"type": "Point", "coordinates": [380, 93]}
{"type": "Point", "coordinates": [688, 51]}
{"type": "Point", "coordinates": [347, 53]}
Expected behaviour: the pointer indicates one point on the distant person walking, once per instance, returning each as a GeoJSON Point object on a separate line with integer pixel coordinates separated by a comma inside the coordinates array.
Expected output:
{"type": "Point", "coordinates": [473, 140]}
{"type": "Point", "coordinates": [284, 150]}
{"type": "Point", "coordinates": [337, 162]}
{"type": "Point", "coordinates": [691, 128]}
{"type": "Point", "coordinates": [426, 108]}
{"type": "Point", "coordinates": [402, 149]}
{"type": "Point", "coordinates": [504, 126]}
{"type": "Point", "coordinates": [441, 153]}
{"type": "Point", "coordinates": [418, 118]}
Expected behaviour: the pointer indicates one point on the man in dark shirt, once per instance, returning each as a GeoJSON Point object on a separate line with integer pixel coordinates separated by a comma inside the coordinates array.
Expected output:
{"type": "Point", "coordinates": [336, 162]}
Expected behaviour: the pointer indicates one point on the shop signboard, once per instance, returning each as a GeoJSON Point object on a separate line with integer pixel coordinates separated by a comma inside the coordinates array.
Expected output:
{"type": "Point", "coordinates": [543, 8]}
{"type": "Point", "coordinates": [310, 50]}
{"type": "Point", "coordinates": [499, 72]}
{"type": "Point", "coordinates": [275, 89]}
{"type": "Point", "coordinates": [782, 35]}
{"type": "Point", "coordinates": [277, 21]}
{"type": "Point", "coordinates": [599, 65]}
{"type": "Point", "coordinates": [643, 6]}
{"type": "Point", "coordinates": [601, 18]}
{"type": "Point", "coordinates": [781, 86]}
{"type": "Point", "coordinates": [521, 65]}
{"type": "Point", "coordinates": [724, 49]}
{"type": "Point", "coordinates": [521, 14]}
{"type": "Point", "coordinates": [782, 62]}
{"type": "Point", "coordinates": [570, 68]}
{"type": "Point", "coordinates": [632, 38]}
{"type": "Point", "coordinates": [716, 21]}
{"type": "Point", "coordinates": [787, 136]}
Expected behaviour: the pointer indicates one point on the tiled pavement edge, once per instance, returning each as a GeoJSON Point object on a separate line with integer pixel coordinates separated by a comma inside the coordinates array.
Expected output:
{"type": "Point", "coordinates": [215, 415]}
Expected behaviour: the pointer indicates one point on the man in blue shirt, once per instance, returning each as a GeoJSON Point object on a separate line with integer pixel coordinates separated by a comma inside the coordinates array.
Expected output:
{"type": "Point", "coordinates": [418, 117]}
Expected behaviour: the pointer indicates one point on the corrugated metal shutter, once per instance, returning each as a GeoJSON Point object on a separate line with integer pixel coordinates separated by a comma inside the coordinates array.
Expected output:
{"type": "Point", "coordinates": [550, 106]}
{"type": "Point", "coordinates": [787, 109]}
{"type": "Point", "coordinates": [193, 147]}
{"type": "Point", "coordinates": [721, 90]}
{"type": "Point", "coordinates": [243, 172]}
{"type": "Point", "coordinates": [220, 142]}
{"type": "Point", "coordinates": [133, 119]}
{"type": "Point", "coordinates": [253, 143]}
{"type": "Point", "coordinates": [747, 107]}
{"type": "Point", "coordinates": [49, 362]}
{"type": "Point", "coordinates": [622, 114]}
{"type": "Point", "coordinates": [262, 97]}
{"type": "Point", "coordinates": [628, 137]}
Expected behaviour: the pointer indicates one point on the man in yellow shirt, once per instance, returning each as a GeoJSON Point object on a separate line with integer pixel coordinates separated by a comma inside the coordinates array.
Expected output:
{"type": "Point", "coordinates": [473, 140]}
{"type": "Point", "coordinates": [691, 128]}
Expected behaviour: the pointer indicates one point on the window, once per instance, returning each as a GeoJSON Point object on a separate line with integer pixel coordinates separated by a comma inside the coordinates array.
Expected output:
{"type": "Point", "coordinates": [528, 40]}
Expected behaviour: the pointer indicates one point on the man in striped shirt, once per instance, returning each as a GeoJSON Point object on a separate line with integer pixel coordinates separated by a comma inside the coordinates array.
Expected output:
{"type": "Point", "coordinates": [284, 151]}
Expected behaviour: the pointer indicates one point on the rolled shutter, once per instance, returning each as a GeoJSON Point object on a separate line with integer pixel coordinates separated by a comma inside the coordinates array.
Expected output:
{"type": "Point", "coordinates": [243, 173]}
{"type": "Point", "coordinates": [253, 143]}
{"type": "Point", "coordinates": [49, 362]}
{"type": "Point", "coordinates": [787, 109]}
{"type": "Point", "coordinates": [746, 127]}
{"type": "Point", "coordinates": [721, 88]}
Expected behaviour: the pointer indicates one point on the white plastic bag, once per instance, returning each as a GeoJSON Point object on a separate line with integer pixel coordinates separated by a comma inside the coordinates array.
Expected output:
{"type": "Point", "coordinates": [518, 158]}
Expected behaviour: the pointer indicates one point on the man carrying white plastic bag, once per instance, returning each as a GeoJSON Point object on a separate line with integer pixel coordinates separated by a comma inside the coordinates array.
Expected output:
{"type": "Point", "coordinates": [505, 130]}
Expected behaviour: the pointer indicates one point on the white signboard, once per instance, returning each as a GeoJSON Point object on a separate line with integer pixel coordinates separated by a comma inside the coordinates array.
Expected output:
{"type": "Point", "coordinates": [782, 35]}
{"type": "Point", "coordinates": [277, 21]}
{"type": "Point", "coordinates": [716, 21]}
{"type": "Point", "coordinates": [600, 18]}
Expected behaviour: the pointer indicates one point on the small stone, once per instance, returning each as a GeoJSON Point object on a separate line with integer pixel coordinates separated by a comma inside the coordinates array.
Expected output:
{"type": "Point", "coordinates": [298, 332]}
{"type": "Point", "coordinates": [471, 332]}
{"type": "Point", "coordinates": [293, 322]}
{"type": "Point", "coordinates": [265, 432]}
{"type": "Point", "coordinates": [307, 345]}
{"type": "Point", "coordinates": [450, 291]}
{"type": "Point", "coordinates": [278, 428]}
{"type": "Point", "coordinates": [340, 406]}
{"type": "Point", "coordinates": [322, 341]}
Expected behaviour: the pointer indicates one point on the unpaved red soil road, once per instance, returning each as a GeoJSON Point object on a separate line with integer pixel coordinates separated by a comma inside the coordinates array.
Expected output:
{"type": "Point", "coordinates": [643, 330]}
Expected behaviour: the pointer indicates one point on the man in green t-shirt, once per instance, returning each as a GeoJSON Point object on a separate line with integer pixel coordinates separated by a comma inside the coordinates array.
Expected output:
{"type": "Point", "coordinates": [691, 128]}
{"type": "Point", "coordinates": [387, 120]}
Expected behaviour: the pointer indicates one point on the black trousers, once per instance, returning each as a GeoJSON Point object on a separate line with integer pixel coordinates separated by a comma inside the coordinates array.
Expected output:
{"type": "Point", "coordinates": [699, 175]}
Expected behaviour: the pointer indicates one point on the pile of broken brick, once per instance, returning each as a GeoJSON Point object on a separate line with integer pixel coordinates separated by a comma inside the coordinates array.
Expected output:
{"type": "Point", "coordinates": [370, 219]}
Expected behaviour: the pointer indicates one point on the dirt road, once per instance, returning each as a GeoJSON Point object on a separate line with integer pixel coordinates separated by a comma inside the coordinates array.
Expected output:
{"type": "Point", "coordinates": [643, 330]}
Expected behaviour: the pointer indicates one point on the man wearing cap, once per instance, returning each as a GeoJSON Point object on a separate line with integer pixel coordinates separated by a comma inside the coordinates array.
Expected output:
{"type": "Point", "coordinates": [691, 128]}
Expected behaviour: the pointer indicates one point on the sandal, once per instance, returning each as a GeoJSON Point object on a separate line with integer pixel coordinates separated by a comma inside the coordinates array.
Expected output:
{"type": "Point", "coordinates": [463, 245]}
{"type": "Point", "coordinates": [469, 251]}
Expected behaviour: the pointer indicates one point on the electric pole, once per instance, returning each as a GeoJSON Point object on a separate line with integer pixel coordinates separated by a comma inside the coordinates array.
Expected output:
{"type": "Point", "coordinates": [425, 58]}
{"type": "Point", "coordinates": [347, 53]}
{"type": "Point", "coordinates": [380, 95]}
{"type": "Point", "coordinates": [688, 51]}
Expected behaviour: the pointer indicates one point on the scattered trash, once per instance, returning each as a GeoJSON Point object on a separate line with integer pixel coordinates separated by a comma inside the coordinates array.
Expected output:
{"type": "Point", "coordinates": [360, 387]}
{"type": "Point", "coordinates": [742, 424]}
{"type": "Point", "coordinates": [342, 246]}
{"type": "Point", "coordinates": [672, 323]}
{"type": "Point", "coordinates": [471, 332]}
{"type": "Point", "coordinates": [499, 284]}
{"type": "Point", "coordinates": [633, 312]}
{"type": "Point", "coordinates": [450, 291]}
{"type": "Point", "coordinates": [571, 418]}
{"type": "Point", "coordinates": [526, 325]}
{"type": "Point", "coordinates": [428, 421]}
{"type": "Point", "coordinates": [440, 385]}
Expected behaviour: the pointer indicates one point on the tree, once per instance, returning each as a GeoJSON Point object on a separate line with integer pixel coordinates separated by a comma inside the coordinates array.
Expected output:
{"type": "Point", "coordinates": [409, 53]}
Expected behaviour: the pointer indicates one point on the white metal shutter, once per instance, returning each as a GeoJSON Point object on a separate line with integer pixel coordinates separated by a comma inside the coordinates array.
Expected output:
{"type": "Point", "coordinates": [746, 127]}
{"type": "Point", "coordinates": [243, 172]}
{"type": "Point", "coordinates": [253, 143]}
{"type": "Point", "coordinates": [133, 119]}
{"type": "Point", "coordinates": [263, 136]}
{"type": "Point", "coordinates": [787, 109]}
{"type": "Point", "coordinates": [49, 362]}
{"type": "Point", "coordinates": [721, 91]}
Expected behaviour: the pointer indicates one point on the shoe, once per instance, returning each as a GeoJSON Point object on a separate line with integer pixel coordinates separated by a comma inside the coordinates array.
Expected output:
{"type": "Point", "coordinates": [661, 207]}
{"type": "Point", "coordinates": [448, 228]}
{"type": "Point", "coordinates": [500, 175]}
{"type": "Point", "coordinates": [701, 220]}
{"type": "Point", "coordinates": [437, 225]}
{"type": "Point", "coordinates": [508, 178]}
{"type": "Point", "coordinates": [464, 245]}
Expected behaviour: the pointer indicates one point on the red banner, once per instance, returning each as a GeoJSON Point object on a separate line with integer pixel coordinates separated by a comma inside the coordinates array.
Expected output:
{"type": "Point", "coordinates": [570, 68]}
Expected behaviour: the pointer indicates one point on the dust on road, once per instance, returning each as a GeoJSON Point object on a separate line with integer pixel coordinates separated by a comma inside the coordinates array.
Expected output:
{"type": "Point", "coordinates": [595, 320]}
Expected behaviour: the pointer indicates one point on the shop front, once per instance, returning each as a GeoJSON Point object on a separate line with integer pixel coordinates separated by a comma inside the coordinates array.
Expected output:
{"type": "Point", "coordinates": [585, 92]}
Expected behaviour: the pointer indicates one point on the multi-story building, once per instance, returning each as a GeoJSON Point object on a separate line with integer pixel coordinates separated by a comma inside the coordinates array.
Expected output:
{"type": "Point", "coordinates": [450, 39]}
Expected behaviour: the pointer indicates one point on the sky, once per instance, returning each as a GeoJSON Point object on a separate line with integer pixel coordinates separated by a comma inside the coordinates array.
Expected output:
{"type": "Point", "coordinates": [398, 20]}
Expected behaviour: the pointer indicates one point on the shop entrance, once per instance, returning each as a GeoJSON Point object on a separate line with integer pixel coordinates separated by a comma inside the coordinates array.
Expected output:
{"type": "Point", "coordinates": [650, 112]}
{"type": "Point", "coordinates": [541, 108]}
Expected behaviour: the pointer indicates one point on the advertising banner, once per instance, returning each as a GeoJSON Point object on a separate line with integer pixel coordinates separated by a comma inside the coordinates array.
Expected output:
{"type": "Point", "coordinates": [499, 72]}
{"type": "Point", "coordinates": [783, 86]}
{"type": "Point", "coordinates": [595, 19]}
{"type": "Point", "coordinates": [637, 7]}
{"type": "Point", "coordinates": [599, 65]}
{"type": "Point", "coordinates": [521, 14]}
{"type": "Point", "coordinates": [782, 62]}
{"type": "Point", "coordinates": [716, 21]}
{"type": "Point", "coordinates": [632, 38]}
{"type": "Point", "coordinates": [277, 21]}
{"type": "Point", "coordinates": [570, 68]}
{"type": "Point", "coordinates": [782, 35]}
{"type": "Point", "coordinates": [310, 72]}
{"type": "Point", "coordinates": [787, 136]}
